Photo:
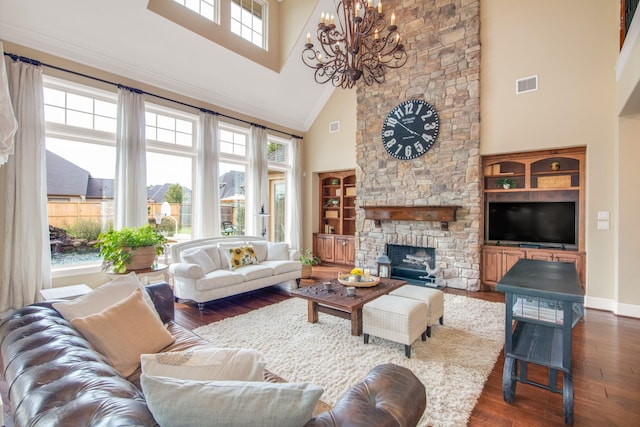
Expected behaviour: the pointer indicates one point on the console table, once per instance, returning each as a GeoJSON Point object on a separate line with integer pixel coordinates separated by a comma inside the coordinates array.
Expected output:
{"type": "Point", "coordinates": [545, 299]}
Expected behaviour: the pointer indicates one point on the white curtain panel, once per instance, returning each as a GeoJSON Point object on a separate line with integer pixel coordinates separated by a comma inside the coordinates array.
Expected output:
{"type": "Point", "coordinates": [8, 122]}
{"type": "Point", "coordinates": [131, 165]}
{"type": "Point", "coordinates": [293, 207]}
{"type": "Point", "coordinates": [257, 182]}
{"type": "Point", "coordinates": [206, 201]}
{"type": "Point", "coordinates": [25, 258]}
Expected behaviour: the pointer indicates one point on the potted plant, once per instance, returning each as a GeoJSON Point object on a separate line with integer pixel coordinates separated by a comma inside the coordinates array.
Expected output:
{"type": "Point", "coordinates": [506, 183]}
{"type": "Point", "coordinates": [131, 248]}
{"type": "Point", "coordinates": [308, 260]}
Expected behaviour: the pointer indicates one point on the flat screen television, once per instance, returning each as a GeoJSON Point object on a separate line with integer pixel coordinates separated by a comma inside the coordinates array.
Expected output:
{"type": "Point", "coordinates": [544, 224]}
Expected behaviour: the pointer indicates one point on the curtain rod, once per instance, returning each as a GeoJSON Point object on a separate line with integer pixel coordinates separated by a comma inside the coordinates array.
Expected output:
{"type": "Point", "coordinates": [55, 67]}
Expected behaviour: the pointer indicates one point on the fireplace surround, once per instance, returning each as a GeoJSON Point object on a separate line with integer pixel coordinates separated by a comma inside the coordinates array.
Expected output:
{"type": "Point", "coordinates": [443, 70]}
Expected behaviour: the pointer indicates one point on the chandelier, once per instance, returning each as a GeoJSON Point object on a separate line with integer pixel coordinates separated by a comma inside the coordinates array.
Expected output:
{"type": "Point", "coordinates": [360, 45]}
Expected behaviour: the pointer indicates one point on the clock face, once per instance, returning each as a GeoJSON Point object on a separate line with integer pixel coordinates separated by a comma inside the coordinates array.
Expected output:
{"type": "Point", "coordinates": [410, 129]}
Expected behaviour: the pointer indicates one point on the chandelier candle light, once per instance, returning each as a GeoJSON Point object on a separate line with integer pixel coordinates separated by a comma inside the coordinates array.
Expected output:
{"type": "Point", "coordinates": [361, 45]}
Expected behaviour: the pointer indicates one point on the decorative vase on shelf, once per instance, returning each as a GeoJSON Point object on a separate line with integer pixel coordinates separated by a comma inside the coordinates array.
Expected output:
{"type": "Point", "coordinates": [555, 166]}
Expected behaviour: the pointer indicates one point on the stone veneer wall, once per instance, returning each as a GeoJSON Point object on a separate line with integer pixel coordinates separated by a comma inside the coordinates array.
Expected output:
{"type": "Point", "coordinates": [442, 39]}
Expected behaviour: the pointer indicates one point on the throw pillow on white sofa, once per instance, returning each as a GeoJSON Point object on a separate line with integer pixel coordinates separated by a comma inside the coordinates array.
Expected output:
{"type": "Point", "coordinates": [201, 257]}
{"type": "Point", "coordinates": [278, 251]}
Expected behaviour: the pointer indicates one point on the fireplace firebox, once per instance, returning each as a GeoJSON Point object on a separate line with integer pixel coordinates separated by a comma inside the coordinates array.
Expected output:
{"type": "Point", "coordinates": [416, 265]}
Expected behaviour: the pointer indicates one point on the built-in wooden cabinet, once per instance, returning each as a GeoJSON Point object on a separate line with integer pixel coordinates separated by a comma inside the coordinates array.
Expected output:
{"type": "Point", "coordinates": [540, 176]}
{"type": "Point", "coordinates": [497, 260]}
{"type": "Point", "coordinates": [335, 240]}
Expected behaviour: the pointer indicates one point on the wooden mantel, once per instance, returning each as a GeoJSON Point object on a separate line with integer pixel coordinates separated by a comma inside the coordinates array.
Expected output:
{"type": "Point", "coordinates": [444, 214]}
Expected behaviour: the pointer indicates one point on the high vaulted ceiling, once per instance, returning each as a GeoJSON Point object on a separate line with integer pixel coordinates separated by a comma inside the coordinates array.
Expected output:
{"type": "Point", "coordinates": [125, 38]}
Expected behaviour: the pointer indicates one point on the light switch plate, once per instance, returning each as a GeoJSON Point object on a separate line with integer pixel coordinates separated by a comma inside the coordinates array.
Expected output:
{"type": "Point", "coordinates": [603, 215]}
{"type": "Point", "coordinates": [603, 225]}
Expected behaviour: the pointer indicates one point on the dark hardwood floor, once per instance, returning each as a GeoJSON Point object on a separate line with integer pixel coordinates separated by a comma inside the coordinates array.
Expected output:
{"type": "Point", "coordinates": [606, 365]}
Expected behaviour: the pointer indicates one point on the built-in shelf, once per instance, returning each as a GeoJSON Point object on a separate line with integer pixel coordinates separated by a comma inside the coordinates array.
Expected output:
{"type": "Point", "coordinates": [443, 214]}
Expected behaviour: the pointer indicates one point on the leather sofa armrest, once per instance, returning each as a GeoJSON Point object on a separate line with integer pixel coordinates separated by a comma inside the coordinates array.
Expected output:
{"type": "Point", "coordinates": [162, 296]}
{"type": "Point", "coordinates": [183, 269]}
{"type": "Point", "coordinates": [390, 395]}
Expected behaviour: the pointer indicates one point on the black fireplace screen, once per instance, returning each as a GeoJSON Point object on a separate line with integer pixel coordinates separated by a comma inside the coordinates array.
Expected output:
{"type": "Point", "coordinates": [411, 263]}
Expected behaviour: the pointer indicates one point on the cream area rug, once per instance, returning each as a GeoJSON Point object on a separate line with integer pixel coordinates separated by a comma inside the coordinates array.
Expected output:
{"type": "Point", "coordinates": [453, 364]}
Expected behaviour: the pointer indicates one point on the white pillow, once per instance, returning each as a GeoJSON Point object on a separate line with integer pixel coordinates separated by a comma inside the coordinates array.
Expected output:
{"type": "Point", "coordinates": [206, 363]}
{"type": "Point", "coordinates": [225, 256]}
{"type": "Point", "coordinates": [186, 403]}
{"type": "Point", "coordinates": [260, 248]}
{"type": "Point", "coordinates": [214, 254]}
{"type": "Point", "coordinates": [103, 297]}
{"type": "Point", "coordinates": [278, 251]}
{"type": "Point", "coordinates": [200, 257]}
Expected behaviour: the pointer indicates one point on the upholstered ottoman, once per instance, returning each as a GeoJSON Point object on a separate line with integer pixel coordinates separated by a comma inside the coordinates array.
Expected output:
{"type": "Point", "coordinates": [395, 318]}
{"type": "Point", "coordinates": [433, 298]}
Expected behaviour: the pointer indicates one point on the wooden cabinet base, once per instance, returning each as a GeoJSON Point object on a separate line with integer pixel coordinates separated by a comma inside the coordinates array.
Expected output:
{"type": "Point", "coordinates": [335, 248]}
{"type": "Point", "coordinates": [497, 260]}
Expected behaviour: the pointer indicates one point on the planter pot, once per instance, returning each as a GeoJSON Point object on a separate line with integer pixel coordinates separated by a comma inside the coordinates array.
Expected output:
{"type": "Point", "coordinates": [142, 258]}
{"type": "Point", "coordinates": [306, 271]}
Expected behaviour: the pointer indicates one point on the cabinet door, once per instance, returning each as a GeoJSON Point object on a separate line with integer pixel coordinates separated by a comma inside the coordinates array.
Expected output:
{"type": "Point", "coordinates": [491, 266]}
{"type": "Point", "coordinates": [576, 259]}
{"type": "Point", "coordinates": [345, 250]}
{"type": "Point", "coordinates": [323, 247]}
{"type": "Point", "coordinates": [509, 258]}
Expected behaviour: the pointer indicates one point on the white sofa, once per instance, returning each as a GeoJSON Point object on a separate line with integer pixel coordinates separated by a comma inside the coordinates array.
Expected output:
{"type": "Point", "coordinates": [202, 270]}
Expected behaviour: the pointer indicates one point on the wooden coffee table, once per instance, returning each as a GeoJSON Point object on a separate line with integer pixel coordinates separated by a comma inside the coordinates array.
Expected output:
{"type": "Point", "coordinates": [336, 302]}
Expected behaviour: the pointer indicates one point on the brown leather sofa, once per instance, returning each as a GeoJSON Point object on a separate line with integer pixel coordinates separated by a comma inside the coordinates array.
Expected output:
{"type": "Point", "coordinates": [52, 377]}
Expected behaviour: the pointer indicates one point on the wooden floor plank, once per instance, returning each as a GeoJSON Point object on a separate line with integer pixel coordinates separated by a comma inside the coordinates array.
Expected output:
{"type": "Point", "coordinates": [605, 360]}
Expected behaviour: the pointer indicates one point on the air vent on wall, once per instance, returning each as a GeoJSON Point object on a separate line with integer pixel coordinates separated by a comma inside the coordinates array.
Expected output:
{"type": "Point", "coordinates": [526, 84]}
{"type": "Point", "coordinates": [334, 127]}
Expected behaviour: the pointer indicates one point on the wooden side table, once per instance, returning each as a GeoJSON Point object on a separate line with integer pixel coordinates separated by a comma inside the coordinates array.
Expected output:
{"type": "Point", "coordinates": [65, 292]}
{"type": "Point", "coordinates": [145, 274]}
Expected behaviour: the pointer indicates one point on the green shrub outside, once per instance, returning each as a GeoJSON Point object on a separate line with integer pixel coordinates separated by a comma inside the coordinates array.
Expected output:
{"type": "Point", "coordinates": [84, 230]}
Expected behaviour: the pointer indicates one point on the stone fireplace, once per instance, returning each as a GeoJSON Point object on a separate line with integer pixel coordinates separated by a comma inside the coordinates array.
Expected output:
{"type": "Point", "coordinates": [442, 39]}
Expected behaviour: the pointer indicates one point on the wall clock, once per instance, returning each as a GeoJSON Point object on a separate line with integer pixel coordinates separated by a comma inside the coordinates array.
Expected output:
{"type": "Point", "coordinates": [410, 129]}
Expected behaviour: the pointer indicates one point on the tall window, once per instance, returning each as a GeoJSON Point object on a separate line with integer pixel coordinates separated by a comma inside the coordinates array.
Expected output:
{"type": "Point", "coordinates": [248, 20]}
{"type": "Point", "coordinates": [233, 166]}
{"type": "Point", "coordinates": [81, 155]}
{"type": "Point", "coordinates": [278, 155]}
{"type": "Point", "coordinates": [170, 165]}
{"type": "Point", "coordinates": [81, 124]}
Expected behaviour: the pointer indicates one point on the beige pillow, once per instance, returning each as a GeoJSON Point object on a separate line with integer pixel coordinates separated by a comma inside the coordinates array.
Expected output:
{"type": "Point", "coordinates": [124, 331]}
{"type": "Point", "coordinates": [206, 362]}
{"type": "Point", "coordinates": [102, 297]}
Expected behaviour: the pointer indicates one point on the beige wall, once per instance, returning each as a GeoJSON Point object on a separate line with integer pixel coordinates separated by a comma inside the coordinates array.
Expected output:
{"type": "Point", "coordinates": [629, 206]}
{"type": "Point", "coordinates": [324, 151]}
{"type": "Point", "coordinates": [572, 46]}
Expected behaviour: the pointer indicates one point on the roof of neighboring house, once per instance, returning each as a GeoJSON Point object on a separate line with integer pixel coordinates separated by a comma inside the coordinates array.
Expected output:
{"type": "Point", "coordinates": [156, 193]}
{"type": "Point", "coordinates": [100, 188]}
{"type": "Point", "coordinates": [65, 178]}
{"type": "Point", "coordinates": [231, 183]}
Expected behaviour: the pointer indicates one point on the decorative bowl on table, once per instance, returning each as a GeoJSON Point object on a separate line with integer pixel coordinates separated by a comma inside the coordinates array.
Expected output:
{"type": "Point", "coordinates": [350, 280]}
